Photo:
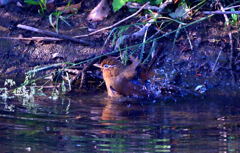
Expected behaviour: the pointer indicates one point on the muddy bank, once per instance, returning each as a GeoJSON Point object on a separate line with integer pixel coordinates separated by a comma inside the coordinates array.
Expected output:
{"type": "Point", "coordinates": [200, 55]}
{"type": "Point", "coordinates": [19, 56]}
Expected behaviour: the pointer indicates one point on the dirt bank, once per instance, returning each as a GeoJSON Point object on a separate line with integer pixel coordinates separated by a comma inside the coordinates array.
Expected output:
{"type": "Point", "coordinates": [201, 53]}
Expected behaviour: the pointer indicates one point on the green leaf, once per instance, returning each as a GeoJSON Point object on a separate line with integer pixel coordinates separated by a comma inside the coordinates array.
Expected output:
{"type": "Point", "coordinates": [32, 2]}
{"type": "Point", "coordinates": [234, 16]}
{"type": "Point", "coordinates": [118, 4]}
{"type": "Point", "coordinates": [158, 2]}
{"type": "Point", "coordinates": [138, 1]}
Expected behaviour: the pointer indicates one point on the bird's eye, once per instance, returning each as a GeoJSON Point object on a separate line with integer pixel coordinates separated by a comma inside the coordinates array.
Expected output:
{"type": "Point", "coordinates": [108, 66]}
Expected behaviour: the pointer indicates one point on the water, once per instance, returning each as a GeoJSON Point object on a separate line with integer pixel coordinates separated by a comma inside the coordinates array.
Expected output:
{"type": "Point", "coordinates": [96, 123]}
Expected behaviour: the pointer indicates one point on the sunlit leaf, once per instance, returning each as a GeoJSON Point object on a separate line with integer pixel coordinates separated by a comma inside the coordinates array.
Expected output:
{"type": "Point", "coordinates": [157, 2]}
{"type": "Point", "coordinates": [117, 4]}
{"type": "Point", "coordinates": [32, 2]}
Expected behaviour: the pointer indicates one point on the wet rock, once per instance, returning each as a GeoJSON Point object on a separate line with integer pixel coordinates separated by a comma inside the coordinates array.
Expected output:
{"type": "Point", "coordinates": [100, 12]}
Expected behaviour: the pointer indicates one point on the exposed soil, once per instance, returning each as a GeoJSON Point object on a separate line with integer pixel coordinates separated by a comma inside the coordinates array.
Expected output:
{"type": "Point", "coordinates": [19, 56]}
{"type": "Point", "coordinates": [182, 64]}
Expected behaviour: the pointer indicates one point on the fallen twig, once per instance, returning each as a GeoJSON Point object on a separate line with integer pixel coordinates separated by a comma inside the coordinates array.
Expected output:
{"type": "Point", "coordinates": [231, 7]}
{"type": "Point", "coordinates": [48, 87]}
{"type": "Point", "coordinates": [72, 71]}
{"type": "Point", "coordinates": [221, 12]}
{"type": "Point", "coordinates": [216, 61]}
{"type": "Point", "coordinates": [53, 34]}
{"type": "Point", "coordinates": [32, 38]}
{"type": "Point", "coordinates": [115, 24]}
{"type": "Point", "coordinates": [189, 39]}
{"type": "Point", "coordinates": [137, 6]}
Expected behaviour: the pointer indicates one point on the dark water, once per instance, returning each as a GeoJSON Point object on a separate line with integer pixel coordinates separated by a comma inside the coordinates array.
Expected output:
{"type": "Point", "coordinates": [99, 124]}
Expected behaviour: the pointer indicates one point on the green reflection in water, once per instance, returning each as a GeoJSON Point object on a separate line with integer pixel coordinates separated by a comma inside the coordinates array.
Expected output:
{"type": "Point", "coordinates": [128, 144]}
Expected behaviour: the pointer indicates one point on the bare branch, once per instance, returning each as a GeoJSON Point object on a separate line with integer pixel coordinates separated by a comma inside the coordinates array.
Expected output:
{"type": "Point", "coordinates": [53, 34]}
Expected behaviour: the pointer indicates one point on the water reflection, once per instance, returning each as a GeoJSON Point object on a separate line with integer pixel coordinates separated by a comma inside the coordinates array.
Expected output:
{"type": "Point", "coordinates": [96, 123]}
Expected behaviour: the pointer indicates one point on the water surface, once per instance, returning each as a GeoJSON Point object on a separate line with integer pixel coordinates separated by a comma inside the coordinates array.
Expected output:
{"type": "Point", "coordinates": [96, 123]}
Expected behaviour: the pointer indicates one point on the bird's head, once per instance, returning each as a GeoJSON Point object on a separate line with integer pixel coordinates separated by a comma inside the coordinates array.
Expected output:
{"type": "Point", "coordinates": [110, 67]}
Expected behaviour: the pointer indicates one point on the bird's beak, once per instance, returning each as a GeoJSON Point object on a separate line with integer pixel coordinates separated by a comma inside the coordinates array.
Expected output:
{"type": "Point", "coordinates": [98, 65]}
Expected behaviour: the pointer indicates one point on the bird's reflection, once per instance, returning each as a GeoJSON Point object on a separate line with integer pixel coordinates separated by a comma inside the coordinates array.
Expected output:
{"type": "Point", "coordinates": [123, 113]}
{"type": "Point", "coordinates": [116, 110]}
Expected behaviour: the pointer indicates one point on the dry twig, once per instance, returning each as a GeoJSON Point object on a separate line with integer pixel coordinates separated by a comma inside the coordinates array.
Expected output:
{"type": "Point", "coordinates": [53, 34]}
{"type": "Point", "coordinates": [137, 6]}
{"type": "Point", "coordinates": [221, 12]}
{"type": "Point", "coordinates": [32, 38]}
{"type": "Point", "coordinates": [224, 11]}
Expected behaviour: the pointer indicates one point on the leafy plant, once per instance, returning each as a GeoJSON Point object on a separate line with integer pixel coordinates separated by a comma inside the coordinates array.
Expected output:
{"type": "Point", "coordinates": [118, 4]}
{"type": "Point", "coordinates": [234, 18]}
{"type": "Point", "coordinates": [41, 3]}
{"type": "Point", "coordinates": [57, 15]}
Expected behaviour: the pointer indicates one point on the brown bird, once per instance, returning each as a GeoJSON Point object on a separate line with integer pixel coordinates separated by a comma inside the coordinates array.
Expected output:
{"type": "Point", "coordinates": [124, 80]}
